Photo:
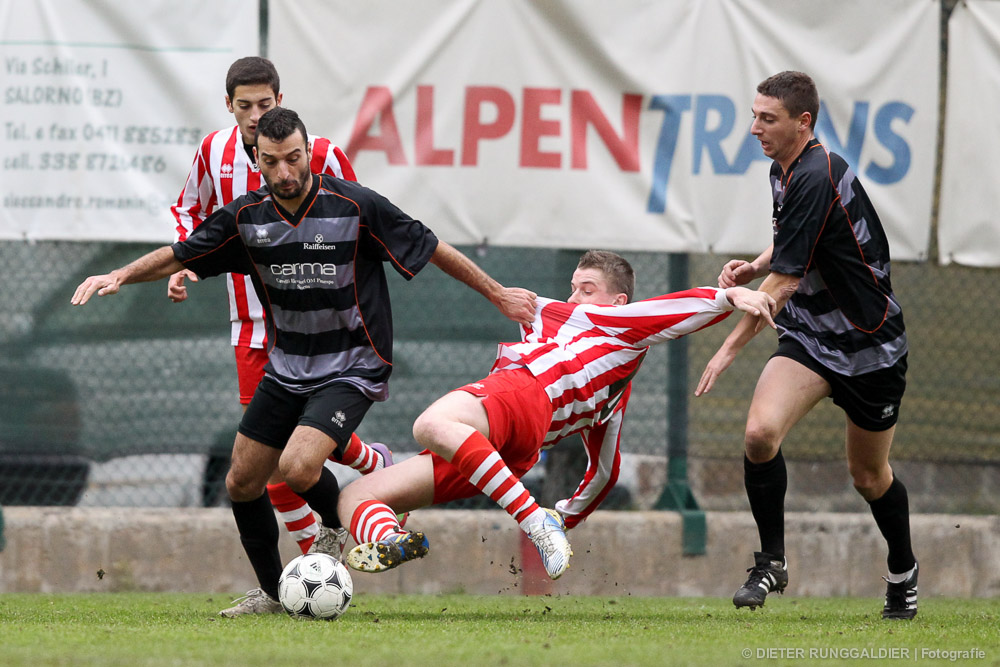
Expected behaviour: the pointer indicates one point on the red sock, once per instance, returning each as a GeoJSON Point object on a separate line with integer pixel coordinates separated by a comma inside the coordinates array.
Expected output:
{"type": "Point", "coordinates": [296, 513]}
{"type": "Point", "coordinates": [373, 521]}
{"type": "Point", "coordinates": [359, 455]}
{"type": "Point", "coordinates": [480, 463]}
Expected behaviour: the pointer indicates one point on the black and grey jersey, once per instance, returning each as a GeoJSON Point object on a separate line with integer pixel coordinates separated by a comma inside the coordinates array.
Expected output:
{"type": "Point", "coordinates": [319, 275]}
{"type": "Point", "coordinates": [827, 232]}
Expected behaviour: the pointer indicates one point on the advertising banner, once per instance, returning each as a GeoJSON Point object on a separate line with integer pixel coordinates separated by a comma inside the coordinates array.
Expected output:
{"type": "Point", "coordinates": [103, 105]}
{"type": "Point", "coordinates": [969, 214]}
{"type": "Point", "coordinates": [610, 124]}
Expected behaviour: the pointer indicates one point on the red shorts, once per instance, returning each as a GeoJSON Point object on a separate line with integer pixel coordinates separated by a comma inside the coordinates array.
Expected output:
{"type": "Point", "coordinates": [519, 414]}
{"type": "Point", "coordinates": [249, 370]}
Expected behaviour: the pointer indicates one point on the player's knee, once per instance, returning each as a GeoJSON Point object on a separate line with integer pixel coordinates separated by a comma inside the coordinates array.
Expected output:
{"type": "Point", "coordinates": [426, 427]}
{"type": "Point", "coordinates": [761, 443]}
{"type": "Point", "coordinates": [241, 488]}
{"type": "Point", "coordinates": [298, 474]}
{"type": "Point", "coordinates": [870, 482]}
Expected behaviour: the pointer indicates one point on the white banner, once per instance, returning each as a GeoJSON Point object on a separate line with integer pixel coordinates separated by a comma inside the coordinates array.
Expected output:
{"type": "Point", "coordinates": [588, 123]}
{"type": "Point", "coordinates": [969, 214]}
{"type": "Point", "coordinates": [103, 106]}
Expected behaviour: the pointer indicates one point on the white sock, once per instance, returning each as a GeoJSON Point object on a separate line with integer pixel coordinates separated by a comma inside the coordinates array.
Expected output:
{"type": "Point", "coordinates": [899, 578]}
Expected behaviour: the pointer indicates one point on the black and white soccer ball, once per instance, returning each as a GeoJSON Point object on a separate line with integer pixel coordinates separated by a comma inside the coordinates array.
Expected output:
{"type": "Point", "coordinates": [315, 586]}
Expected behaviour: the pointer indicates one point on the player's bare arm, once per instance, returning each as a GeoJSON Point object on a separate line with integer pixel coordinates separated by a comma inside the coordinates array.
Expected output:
{"type": "Point", "coordinates": [515, 303]}
{"type": "Point", "coordinates": [153, 266]}
{"type": "Point", "coordinates": [740, 272]}
{"type": "Point", "coordinates": [780, 287]}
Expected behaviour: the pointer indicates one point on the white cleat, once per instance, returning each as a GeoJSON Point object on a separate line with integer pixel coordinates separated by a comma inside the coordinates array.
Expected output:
{"type": "Point", "coordinates": [254, 602]}
{"type": "Point", "coordinates": [549, 537]}
{"type": "Point", "coordinates": [330, 541]}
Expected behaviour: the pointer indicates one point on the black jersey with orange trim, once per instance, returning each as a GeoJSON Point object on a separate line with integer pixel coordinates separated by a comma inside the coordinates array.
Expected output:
{"type": "Point", "coordinates": [319, 274]}
{"type": "Point", "coordinates": [826, 231]}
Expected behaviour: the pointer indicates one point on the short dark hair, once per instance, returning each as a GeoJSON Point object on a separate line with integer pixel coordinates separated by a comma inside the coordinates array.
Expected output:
{"type": "Point", "coordinates": [278, 124]}
{"type": "Point", "coordinates": [252, 71]}
{"type": "Point", "coordinates": [797, 92]}
{"type": "Point", "coordinates": [617, 270]}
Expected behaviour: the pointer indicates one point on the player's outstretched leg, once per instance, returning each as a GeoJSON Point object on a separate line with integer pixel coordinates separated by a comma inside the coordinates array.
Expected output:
{"type": "Point", "coordinates": [254, 602]}
{"type": "Point", "coordinates": [549, 537]}
{"type": "Point", "coordinates": [769, 574]}
{"type": "Point", "coordinates": [901, 598]}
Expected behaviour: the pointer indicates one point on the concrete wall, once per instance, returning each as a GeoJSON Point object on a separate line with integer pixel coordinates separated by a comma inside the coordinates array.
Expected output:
{"type": "Point", "coordinates": [615, 553]}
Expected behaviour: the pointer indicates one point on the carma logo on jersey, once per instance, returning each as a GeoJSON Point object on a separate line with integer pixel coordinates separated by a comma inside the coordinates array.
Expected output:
{"type": "Point", "coordinates": [304, 269]}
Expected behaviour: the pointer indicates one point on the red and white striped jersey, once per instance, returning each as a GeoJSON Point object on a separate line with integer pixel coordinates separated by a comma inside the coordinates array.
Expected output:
{"type": "Point", "coordinates": [221, 172]}
{"type": "Point", "coordinates": [586, 355]}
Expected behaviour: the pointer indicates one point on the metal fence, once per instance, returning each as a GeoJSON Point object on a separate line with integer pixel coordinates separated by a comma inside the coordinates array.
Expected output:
{"type": "Point", "coordinates": [136, 394]}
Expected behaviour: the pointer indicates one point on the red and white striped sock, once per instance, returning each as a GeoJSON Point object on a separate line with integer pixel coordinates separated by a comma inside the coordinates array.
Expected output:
{"type": "Point", "coordinates": [480, 463]}
{"type": "Point", "coordinates": [373, 521]}
{"type": "Point", "coordinates": [296, 513]}
{"type": "Point", "coordinates": [360, 455]}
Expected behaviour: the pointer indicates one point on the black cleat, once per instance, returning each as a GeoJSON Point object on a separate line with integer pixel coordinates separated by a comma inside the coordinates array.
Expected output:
{"type": "Point", "coordinates": [767, 575]}
{"type": "Point", "coordinates": [901, 598]}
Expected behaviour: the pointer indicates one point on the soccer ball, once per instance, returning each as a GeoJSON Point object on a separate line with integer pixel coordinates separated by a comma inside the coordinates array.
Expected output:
{"type": "Point", "coordinates": [315, 586]}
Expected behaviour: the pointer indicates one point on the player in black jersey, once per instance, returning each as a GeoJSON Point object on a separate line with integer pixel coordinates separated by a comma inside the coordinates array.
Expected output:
{"type": "Point", "coordinates": [315, 247]}
{"type": "Point", "coordinates": [841, 335]}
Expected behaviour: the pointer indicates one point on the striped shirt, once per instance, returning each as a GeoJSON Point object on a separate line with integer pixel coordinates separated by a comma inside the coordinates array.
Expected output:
{"type": "Point", "coordinates": [221, 172]}
{"type": "Point", "coordinates": [826, 232]}
{"type": "Point", "coordinates": [585, 356]}
{"type": "Point", "coordinates": [320, 272]}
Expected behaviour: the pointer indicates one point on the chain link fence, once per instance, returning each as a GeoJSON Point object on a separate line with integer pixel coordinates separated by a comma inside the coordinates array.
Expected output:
{"type": "Point", "coordinates": [133, 399]}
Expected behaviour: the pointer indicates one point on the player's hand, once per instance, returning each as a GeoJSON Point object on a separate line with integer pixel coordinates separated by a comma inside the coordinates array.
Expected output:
{"type": "Point", "coordinates": [176, 289]}
{"type": "Point", "coordinates": [104, 285]}
{"type": "Point", "coordinates": [722, 360]}
{"type": "Point", "coordinates": [736, 272]}
{"type": "Point", "coordinates": [518, 304]}
{"type": "Point", "coordinates": [756, 303]}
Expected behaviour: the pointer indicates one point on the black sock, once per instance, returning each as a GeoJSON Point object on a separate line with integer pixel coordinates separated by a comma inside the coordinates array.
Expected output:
{"type": "Point", "coordinates": [322, 497]}
{"type": "Point", "coordinates": [259, 535]}
{"type": "Point", "coordinates": [766, 484]}
{"type": "Point", "coordinates": [892, 514]}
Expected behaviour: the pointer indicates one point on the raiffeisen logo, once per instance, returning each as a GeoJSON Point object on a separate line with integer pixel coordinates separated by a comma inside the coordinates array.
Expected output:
{"type": "Point", "coordinates": [304, 269]}
{"type": "Point", "coordinates": [319, 245]}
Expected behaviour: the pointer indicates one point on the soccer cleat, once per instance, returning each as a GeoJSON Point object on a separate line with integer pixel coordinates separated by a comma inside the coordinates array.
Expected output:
{"type": "Point", "coordinates": [388, 553]}
{"type": "Point", "coordinates": [330, 541]}
{"type": "Point", "coordinates": [901, 598]}
{"type": "Point", "coordinates": [254, 602]}
{"type": "Point", "coordinates": [384, 451]}
{"type": "Point", "coordinates": [549, 537]}
{"type": "Point", "coordinates": [767, 575]}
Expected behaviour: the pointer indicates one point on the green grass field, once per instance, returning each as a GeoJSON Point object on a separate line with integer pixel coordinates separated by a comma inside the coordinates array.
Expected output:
{"type": "Point", "coordinates": [182, 629]}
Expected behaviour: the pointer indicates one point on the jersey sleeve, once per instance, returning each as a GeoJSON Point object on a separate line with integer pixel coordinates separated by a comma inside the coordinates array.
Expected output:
{"type": "Point", "coordinates": [390, 235]}
{"type": "Point", "coordinates": [197, 198]}
{"type": "Point", "coordinates": [327, 158]}
{"type": "Point", "coordinates": [804, 209]}
{"type": "Point", "coordinates": [661, 318]}
{"type": "Point", "coordinates": [603, 444]}
{"type": "Point", "coordinates": [215, 247]}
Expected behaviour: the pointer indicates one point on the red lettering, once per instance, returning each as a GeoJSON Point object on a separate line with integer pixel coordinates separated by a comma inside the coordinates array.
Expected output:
{"type": "Point", "coordinates": [533, 128]}
{"type": "Point", "coordinates": [425, 153]}
{"type": "Point", "coordinates": [377, 101]}
{"type": "Point", "coordinates": [624, 149]}
{"type": "Point", "coordinates": [475, 128]}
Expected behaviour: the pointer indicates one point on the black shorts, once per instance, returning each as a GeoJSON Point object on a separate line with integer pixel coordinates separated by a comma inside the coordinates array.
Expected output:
{"type": "Point", "coordinates": [871, 400]}
{"type": "Point", "coordinates": [274, 412]}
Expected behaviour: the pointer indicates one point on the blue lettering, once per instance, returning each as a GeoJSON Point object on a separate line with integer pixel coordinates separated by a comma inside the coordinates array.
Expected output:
{"type": "Point", "coordinates": [896, 144]}
{"type": "Point", "coordinates": [673, 107]}
{"type": "Point", "coordinates": [851, 151]}
{"type": "Point", "coordinates": [711, 140]}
